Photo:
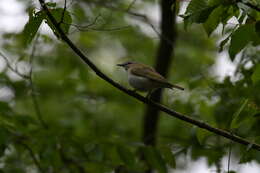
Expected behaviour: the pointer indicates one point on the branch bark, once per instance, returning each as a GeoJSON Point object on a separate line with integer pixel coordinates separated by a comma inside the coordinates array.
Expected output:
{"type": "Point", "coordinates": [162, 108]}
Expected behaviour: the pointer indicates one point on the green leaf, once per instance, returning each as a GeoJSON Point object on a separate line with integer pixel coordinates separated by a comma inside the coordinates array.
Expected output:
{"type": "Point", "coordinates": [126, 155]}
{"type": "Point", "coordinates": [197, 12]}
{"type": "Point", "coordinates": [256, 75]}
{"type": "Point", "coordinates": [168, 156]}
{"type": "Point", "coordinates": [240, 38]}
{"type": "Point", "coordinates": [96, 154]}
{"type": "Point", "coordinates": [214, 2]}
{"type": "Point", "coordinates": [196, 6]}
{"type": "Point", "coordinates": [63, 18]}
{"type": "Point", "coordinates": [228, 12]}
{"type": "Point", "coordinates": [4, 107]}
{"type": "Point", "coordinates": [236, 119]}
{"type": "Point", "coordinates": [202, 135]}
{"type": "Point", "coordinates": [223, 43]}
{"type": "Point", "coordinates": [155, 159]}
{"type": "Point", "coordinates": [257, 115]}
{"type": "Point", "coordinates": [32, 26]}
{"type": "Point", "coordinates": [247, 156]}
{"type": "Point", "coordinates": [23, 120]}
{"type": "Point", "coordinates": [4, 135]}
{"type": "Point", "coordinates": [51, 4]}
{"type": "Point", "coordinates": [4, 140]}
{"type": "Point", "coordinates": [213, 20]}
{"type": "Point", "coordinates": [231, 171]}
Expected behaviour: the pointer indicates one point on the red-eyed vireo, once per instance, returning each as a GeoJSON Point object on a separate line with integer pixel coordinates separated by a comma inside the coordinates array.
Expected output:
{"type": "Point", "coordinates": [144, 78]}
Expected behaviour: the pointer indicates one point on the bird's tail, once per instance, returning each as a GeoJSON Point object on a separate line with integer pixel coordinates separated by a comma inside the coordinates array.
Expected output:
{"type": "Point", "coordinates": [171, 86]}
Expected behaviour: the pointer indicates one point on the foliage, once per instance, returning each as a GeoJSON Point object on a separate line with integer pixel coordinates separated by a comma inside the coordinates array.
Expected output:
{"type": "Point", "coordinates": [91, 127]}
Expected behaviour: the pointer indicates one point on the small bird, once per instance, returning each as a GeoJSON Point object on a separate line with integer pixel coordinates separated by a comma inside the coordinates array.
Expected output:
{"type": "Point", "coordinates": [144, 78]}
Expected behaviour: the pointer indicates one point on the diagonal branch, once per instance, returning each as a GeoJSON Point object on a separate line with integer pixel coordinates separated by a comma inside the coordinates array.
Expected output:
{"type": "Point", "coordinates": [33, 156]}
{"type": "Point", "coordinates": [140, 98]}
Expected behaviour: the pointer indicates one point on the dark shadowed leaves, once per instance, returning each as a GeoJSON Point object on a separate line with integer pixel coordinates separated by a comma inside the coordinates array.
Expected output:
{"type": "Point", "coordinates": [241, 37]}
{"type": "Point", "coordinates": [236, 117]}
{"type": "Point", "coordinates": [256, 75]}
{"type": "Point", "coordinates": [168, 156]}
{"type": "Point", "coordinates": [126, 155]}
{"type": "Point", "coordinates": [197, 12]}
{"type": "Point", "coordinates": [213, 20]}
{"type": "Point", "coordinates": [154, 159]}
{"type": "Point", "coordinates": [257, 28]}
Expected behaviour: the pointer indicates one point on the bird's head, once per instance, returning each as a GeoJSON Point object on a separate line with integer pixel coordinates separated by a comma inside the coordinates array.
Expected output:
{"type": "Point", "coordinates": [127, 65]}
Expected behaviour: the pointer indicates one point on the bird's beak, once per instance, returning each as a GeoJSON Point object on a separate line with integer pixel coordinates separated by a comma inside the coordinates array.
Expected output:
{"type": "Point", "coordinates": [120, 65]}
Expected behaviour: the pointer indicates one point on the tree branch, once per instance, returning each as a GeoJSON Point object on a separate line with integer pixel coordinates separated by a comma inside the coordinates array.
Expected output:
{"type": "Point", "coordinates": [162, 108]}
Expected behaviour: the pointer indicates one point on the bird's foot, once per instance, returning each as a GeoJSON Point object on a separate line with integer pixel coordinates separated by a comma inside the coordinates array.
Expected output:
{"type": "Point", "coordinates": [134, 90]}
{"type": "Point", "coordinates": [148, 96]}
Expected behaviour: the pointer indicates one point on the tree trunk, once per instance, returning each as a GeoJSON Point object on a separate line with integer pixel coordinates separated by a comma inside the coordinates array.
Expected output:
{"type": "Point", "coordinates": [163, 61]}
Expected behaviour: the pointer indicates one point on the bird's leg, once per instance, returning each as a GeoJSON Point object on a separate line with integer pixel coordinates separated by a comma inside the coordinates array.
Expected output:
{"type": "Point", "coordinates": [149, 94]}
{"type": "Point", "coordinates": [134, 90]}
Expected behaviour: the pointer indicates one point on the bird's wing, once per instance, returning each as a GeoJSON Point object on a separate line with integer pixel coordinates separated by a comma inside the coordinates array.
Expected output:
{"type": "Point", "coordinates": [148, 72]}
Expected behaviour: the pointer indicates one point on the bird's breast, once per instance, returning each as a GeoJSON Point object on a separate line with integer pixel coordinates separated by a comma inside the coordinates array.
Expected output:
{"type": "Point", "coordinates": [141, 83]}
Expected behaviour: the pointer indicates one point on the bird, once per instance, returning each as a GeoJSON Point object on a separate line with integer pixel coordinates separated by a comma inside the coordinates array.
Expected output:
{"type": "Point", "coordinates": [144, 78]}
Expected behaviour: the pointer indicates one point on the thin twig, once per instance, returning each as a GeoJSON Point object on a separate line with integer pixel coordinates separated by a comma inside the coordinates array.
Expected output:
{"type": "Point", "coordinates": [63, 12]}
{"type": "Point", "coordinates": [13, 69]}
{"type": "Point", "coordinates": [130, 5]}
{"type": "Point", "coordinates": [140, 98]}
{"type": "Point", "coordinates": [33, 92]}
{"type": "Point", "coordinates": [86, 28]}
{"type": "Point", "coordinates": [142, 17]}
{"type": "Point", "coordinates": [33, 156]}
{"type": "Point", "coordinates": [90, 24]}
{"type": "Point", "coordinates": [89, 27]}
{"type": "Point", "coordinates": [29, 78]}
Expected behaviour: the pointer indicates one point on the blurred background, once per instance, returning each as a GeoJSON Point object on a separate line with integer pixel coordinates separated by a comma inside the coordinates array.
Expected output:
{"type": "Point", "coordinates": [57, 115]}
